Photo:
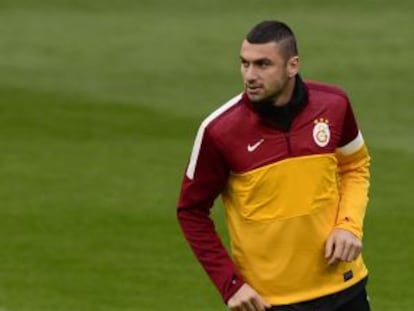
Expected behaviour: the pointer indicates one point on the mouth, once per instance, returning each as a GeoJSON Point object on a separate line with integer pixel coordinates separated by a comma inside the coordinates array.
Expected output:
{"type": "Point", "coordinates": [253, 89]}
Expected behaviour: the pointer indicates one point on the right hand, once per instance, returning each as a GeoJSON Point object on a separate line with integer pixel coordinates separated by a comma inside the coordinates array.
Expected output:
{"type": "Point", "coordinates": [247, 299]}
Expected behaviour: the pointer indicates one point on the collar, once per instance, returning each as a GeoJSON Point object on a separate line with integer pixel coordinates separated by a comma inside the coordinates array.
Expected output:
{"type": "Point", "coordinates": [283, 116]}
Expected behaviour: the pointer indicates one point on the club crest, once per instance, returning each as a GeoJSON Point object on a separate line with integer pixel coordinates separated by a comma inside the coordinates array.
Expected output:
{"type": "Point", "coordinates": [321, 132]}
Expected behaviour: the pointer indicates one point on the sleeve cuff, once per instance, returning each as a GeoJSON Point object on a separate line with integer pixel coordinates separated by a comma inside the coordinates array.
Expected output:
{"type": "Point", "coordinates": [235, 283]}
{"type": "Point", "coordinates": [351, 228]}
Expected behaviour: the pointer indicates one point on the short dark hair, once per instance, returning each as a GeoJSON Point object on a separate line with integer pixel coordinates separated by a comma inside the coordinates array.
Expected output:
{"type": "Point", "coordinates": [268, 31]}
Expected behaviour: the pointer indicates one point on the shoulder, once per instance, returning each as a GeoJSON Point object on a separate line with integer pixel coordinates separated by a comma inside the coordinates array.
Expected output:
{"type": "Point", "coordinates": [221, 118]}
{"type": "Point", "coordinates": [216, 122]}
{"type": "Point", "coordinates": [321, 91]}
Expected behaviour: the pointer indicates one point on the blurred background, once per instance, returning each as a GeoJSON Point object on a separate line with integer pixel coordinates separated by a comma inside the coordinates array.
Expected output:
{"type": "Point", "coordinates": [99, 105]}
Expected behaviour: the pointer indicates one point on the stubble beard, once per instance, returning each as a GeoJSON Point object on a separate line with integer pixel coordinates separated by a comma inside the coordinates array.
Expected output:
{"type": "Point", "coordinates": [272, 98]}
{"type": "Point", "coordinates": [280, 87]}
{"type": "Point", "coordinates": [269, 99]}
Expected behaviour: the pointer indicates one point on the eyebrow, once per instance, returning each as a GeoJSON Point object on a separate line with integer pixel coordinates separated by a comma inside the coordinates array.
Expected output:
{"type": "Point", "coordinates": [256, 61]}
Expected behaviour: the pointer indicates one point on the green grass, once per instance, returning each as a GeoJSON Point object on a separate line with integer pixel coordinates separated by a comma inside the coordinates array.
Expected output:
{"type": "Point", "coordinates": [99, 105]}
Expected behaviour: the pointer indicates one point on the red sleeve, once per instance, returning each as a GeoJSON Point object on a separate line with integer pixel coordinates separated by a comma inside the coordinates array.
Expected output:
{"type": "Point", "coordinates": [198, 192]}
{"type": "Point", "coordinates": [350, 127]}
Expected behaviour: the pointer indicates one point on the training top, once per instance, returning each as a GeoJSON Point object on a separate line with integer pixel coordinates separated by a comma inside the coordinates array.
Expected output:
{"type": "Point", "coordinates": [284, 191]}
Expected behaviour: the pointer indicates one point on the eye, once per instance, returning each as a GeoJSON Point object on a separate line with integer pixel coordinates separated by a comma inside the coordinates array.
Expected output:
{"type": "Point", "coordinates": [263, 63]}
{"type": "Point", "coordinates": [244, 63]}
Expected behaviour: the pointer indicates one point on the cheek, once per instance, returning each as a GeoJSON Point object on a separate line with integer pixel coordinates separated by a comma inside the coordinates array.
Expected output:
{"type": "Point", "coordinates": [272, 78]}
{"type": "Point", "coordinates": [243, 75]}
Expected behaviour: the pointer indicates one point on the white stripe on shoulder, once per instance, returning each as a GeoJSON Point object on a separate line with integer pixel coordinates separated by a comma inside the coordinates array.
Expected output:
{"type": "Point", "coordinates": [199, 138]}
{"type": "Point", "coordinates": [352, 146]}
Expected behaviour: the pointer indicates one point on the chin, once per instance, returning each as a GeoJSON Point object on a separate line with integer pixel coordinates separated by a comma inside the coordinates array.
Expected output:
{"type": "Point", "coordinates": [260, 99]}
{"type": "Point", "coordinates": [255, 98]}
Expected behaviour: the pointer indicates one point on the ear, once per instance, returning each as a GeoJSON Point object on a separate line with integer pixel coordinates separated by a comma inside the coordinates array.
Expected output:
{"type": "Point", "coordinates": [293, 65]}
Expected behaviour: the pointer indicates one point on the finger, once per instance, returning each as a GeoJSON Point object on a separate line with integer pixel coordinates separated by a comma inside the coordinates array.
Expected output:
{"type": "Point", "coordinates": [260, 305]}
{"type": "Point", "coordinates": [332, 260]}
{"type": "Point", "coordinates": [351, 255]}
{"type": "Point", "coordinates": [248, 306]}
{"type": "Point", "coordinates": [233, 306]}
{"type": "Point", "coordinates": [355, 251]}
{"type": "Point", "coordinates": [266, 305]}
{"type": "Point", "coordinates": [329, 247]}
{"type": "Point", "coordinates": [337, 253]}
{"type": "Point", "coordinates": [257, 305]}
{"type": "Point", "coordinates": [348, 251]}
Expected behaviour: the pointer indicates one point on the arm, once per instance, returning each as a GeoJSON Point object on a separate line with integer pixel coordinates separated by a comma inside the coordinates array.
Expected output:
{"type": "Point", "coordinates": [354, 184]}
{"type": "Point", "coordinates": [205, 179]}
{"type": "Point", "coordinates": [344, 243]}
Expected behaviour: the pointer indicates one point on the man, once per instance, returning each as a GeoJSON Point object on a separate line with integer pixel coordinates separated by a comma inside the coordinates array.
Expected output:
{"type": "Point", "coordinates": [291, 166]}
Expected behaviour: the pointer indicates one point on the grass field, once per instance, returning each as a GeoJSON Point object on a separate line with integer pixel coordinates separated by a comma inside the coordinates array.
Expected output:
{"type": "Point", "coordinates": [99, 105]}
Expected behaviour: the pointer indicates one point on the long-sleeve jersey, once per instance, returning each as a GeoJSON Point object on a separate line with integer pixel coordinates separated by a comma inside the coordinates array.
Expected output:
{"type": "Point", "coordinates": [284, 191]}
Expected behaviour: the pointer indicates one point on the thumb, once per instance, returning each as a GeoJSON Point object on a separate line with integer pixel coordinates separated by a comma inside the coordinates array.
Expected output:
{"type": "Point", "coordinates": [267, 305]}
{"type": "Point", "coordinates": [329, 247]}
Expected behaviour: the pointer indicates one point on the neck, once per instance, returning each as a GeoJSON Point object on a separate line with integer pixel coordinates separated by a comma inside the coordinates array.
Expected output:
{"type": "Point", "coordinates": [284, 98]}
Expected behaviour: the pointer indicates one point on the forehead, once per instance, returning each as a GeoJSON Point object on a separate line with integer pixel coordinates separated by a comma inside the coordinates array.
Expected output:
{"type": "Point", "coordinates": [252, 51]}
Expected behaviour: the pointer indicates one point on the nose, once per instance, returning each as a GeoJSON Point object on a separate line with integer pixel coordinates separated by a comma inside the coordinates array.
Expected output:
{"type": "Point", "coordinates": [250, 74]}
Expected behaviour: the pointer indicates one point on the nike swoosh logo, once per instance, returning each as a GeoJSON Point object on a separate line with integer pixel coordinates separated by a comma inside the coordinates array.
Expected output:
{"type": "Point", "coordinates": [252, 148]}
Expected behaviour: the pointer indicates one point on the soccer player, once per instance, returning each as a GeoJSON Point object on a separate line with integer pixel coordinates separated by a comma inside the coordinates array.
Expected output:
{"type": "Point", "coordinates": [292, 167]}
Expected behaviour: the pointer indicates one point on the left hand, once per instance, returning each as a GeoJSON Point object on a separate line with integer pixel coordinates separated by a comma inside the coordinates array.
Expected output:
{"type": "Point", "coordinates": [247, 299]}
{"type": "Point", "coordinates": [342, 245]}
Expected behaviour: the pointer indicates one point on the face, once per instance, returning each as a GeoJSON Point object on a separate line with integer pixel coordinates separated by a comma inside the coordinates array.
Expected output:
{"type": "Point", "coordinates": [267, 75]}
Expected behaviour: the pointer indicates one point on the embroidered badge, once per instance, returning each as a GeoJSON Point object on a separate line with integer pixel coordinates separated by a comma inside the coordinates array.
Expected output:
{"type": "Point", "coordinates": [348, 275]}
{"type": "Point", "coordinates": [321, 132]}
